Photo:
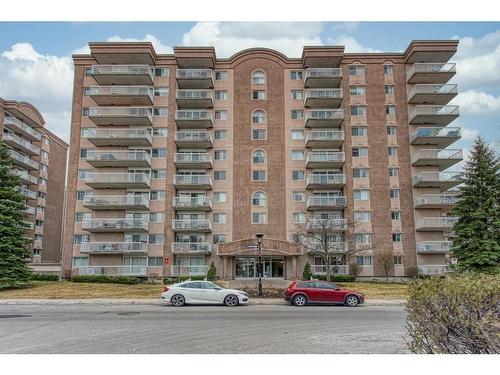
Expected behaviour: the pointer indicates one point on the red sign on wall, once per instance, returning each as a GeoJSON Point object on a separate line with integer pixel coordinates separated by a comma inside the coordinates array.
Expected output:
{"type": "Point", "coordinates": [166, 260]}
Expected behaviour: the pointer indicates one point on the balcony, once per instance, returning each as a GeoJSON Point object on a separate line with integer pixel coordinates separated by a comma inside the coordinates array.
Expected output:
{"type": "Point", "coordinates": [323, 77]}
{"type": "Point", "coordinates": [117, 180]}
{"type": "Point", "coordinates": [441, 158]}
{"type": "Point", "coordinates": [119, 137]}
{"type": "Point", "coordinates": [195, 119]}
{"type": "Point", "coordinates": [23, 161]}
{"type": "Point", "coordinates": [342, 269]}
{"type": "Point", "coordinates": [326, 202]}
{"type": "Point", "coordinates": [324, 139]}
{"type": "Point", "coordinates": [115, 225]}
{"type": "Point", "coordinates": [325, 159]}
{"type": "Point", "coordinates": [123, 74]}
{"type": "Point", "coordinates": [28, 194]}
{"type": "Point", "coordinates": [324, 118]}
{"type": "Point", "coordinates": [116, 202]}
{"type": "Point", "coordinates": [436, 224]}
{"type": "Point", "coordinates": [433, 270]}
{"type": "Point", "coordinates": [431, 72]}
{"type": "Point", "coordinates": [318, 225]}
{"type": "Point", "coordinates": [440, 115]}
{"type": "Point", "coordinates": [188, 270]}
{"type": "Point", "coordinates": [37, 244]}
{"type": "Point", "coordinates": [193, 160]}
{"type": "Point", "coordinates": [121, 116]}
{"type": "Point", "coordinates": [39, 229]}
{"type": "Point", "coordinates": [25, 177]}
{"type": "Point", "coordinates": [200, 225]}
{"type": "Point", "coordinates": [194, 139]}
{"type": "Point", "coordinates": [323, 98]}
{"type": "Point", "coordinates": [27, 225]}
{"type": "Point", "coordinates": [433, 247]}
{"type": "Point", "coordinates": [432, 94]}
{"type": "Point", "coordinates": [191, 248]}
{"type": "Point", "coordinates": [102, 248]}
{"type": "Point", "coordinates": [21, 144]}
{"type": "Point", "coordinates": [119, 270]}
{"type": "Point", "coordinates": [195, 98]}
{"type": "Point", "coordinates": [315, 247]}
{"type": "Point", "coordinates": [192, 203]}
{"type": "Point", "coordinates": [325, 181]}
{"type": "Point", "coordinates": [436, 201]}
{"type": "Point", "coordinates": [17, 126]}
{"type": "Point", "coordinates": [122, 95]}
{"type": "Point", "coordinates": [28, 210]}
{"type": "Point", "coordinates": [132, 159]}
{"type": "Point", "coordinates": [195, 78]}
{"type": "Point", "coordinates": [442, 137]}
{"type": "Point", "coordinates": [194, 182]}
{"type": "Point", "coordinates": [442, 180]}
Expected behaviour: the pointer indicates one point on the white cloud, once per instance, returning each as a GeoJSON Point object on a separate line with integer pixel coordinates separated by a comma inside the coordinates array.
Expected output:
{"type": "Point", "coordinates": [157, 44]}
{"type": "Point", "coordinates": [345, 27]}
{"type": "Point", "coordinates": [351, 44]}
{"type": "Point", "coordinates": [477, 102]}
{"type": "Point", "coordinates": [229, 38]}
{"type": "Point", "coordinates": [469, 134]}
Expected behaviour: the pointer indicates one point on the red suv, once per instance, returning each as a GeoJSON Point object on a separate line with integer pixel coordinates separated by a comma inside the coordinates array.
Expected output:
{"type": "Point", "coordinates": [301, 293]}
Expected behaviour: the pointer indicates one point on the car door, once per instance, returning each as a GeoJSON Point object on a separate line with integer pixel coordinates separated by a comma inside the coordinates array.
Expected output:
{"type": "Point", "coordinates": [328, 292]}
{"type": "Point", "coordinates": [193, 292]}
{"type": "Point", "coordinates": [309, 289]}
{"type": "Point", "coordinates": [213, 293]}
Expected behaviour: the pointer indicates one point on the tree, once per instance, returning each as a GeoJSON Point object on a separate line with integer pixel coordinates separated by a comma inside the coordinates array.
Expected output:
{"type": "Point", "coordinates": [13, 245]}
{"type": "Point", "coordinates": [212, 272]}
{"type": "Point", "coordinates": [477, 242]}
{"type": "Point", "coordinates": [386, 261]}
{"type": "Point", "coordinates": [307, 273]}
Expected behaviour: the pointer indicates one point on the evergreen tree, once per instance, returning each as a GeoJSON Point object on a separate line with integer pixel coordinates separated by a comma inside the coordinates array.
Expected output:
{"type": "Point", "coordinates": [307, 273]}
{"type": "Point", "coordinates": [477, 242]}
{"type": "Point", "coordinates": [13, 245]}
{"type": "Point", "coordinates": [212, 272]}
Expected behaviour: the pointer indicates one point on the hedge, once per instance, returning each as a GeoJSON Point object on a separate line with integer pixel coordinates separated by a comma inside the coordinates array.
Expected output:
{"type": "Point", "coordinates": [129, 280]}
{"type": "Point", "coordinates": [44, 277]}
{"type": "Point", "coordinates": [336, 278]}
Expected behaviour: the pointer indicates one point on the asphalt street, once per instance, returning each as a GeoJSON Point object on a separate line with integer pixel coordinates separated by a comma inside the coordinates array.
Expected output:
{"type": "Point", "coordinates": [201, 329]}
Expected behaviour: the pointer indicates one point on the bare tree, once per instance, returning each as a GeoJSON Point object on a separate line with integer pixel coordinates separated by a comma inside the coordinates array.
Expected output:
{"type": "Point", "coordinates": [386, 261]}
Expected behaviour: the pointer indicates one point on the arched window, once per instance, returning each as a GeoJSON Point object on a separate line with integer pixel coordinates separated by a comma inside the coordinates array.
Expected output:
{"type": "Point", "coordinates": [259, 199]}
{"type": "Point", "coordinates": [258, 78]}
{"type": "Point", "coordinates": [259, 157]}
{"type": "Point", "coordinates": [259, 117]}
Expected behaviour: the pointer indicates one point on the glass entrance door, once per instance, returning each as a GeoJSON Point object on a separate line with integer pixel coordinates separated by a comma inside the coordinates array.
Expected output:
{"type": "Point", "coordinates": [247, 267]}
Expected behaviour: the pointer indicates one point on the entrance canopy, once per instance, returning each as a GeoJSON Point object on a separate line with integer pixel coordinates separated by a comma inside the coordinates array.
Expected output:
{"type": "Point", "coordinates": [270, 247]}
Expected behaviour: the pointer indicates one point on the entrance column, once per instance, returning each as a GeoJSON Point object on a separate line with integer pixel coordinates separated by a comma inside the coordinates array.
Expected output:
{"type": "Point", "coordinates": [224, 268]}
{"type": "Point", "coordinates": [294, 267]}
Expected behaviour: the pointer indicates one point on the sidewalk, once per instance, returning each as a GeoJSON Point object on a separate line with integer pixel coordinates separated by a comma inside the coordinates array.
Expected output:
{"type": "Point", "coordinates": [119, 301]}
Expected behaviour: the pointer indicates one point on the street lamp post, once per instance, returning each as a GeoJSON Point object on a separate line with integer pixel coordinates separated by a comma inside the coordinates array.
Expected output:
{"type": "Point", "coordinates": [261, 268]}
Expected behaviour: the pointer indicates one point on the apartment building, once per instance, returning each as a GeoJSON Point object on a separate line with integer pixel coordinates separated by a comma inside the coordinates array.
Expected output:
{"type": "Point", "coordinates": [180, 159]}
{"type": "Point", "coordinates": [39, 159]}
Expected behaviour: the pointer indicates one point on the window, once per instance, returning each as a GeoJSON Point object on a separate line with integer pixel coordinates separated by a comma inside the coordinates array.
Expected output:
{"type": "Point", "coordinates": [83, 153]}
{"type": "Point", "coordinates": [219, 218]}
{"type": "Point", "coordinates": [391, 130]}
{"type": "Point", "coordinates": [298, 218]}
{"type": "Point", "coordinates": [357, 110]}
{"type": "Point", "coordinates": [361, 195]}
{"type": "Point", "coordinates": [221, 75]}
{"type": "Point", "coordinates": [220, 175]}
{"type": "Point", "coordinates": [221, 115]}
{"type": "Point", "coordinates": [81, 238]}
{"type": "Point", "coordinates": [44, 168]}
{"type": "Point", "coordinates": [298, 175]}
{"type": "Point", "coordinates": [158, 173]}
{"type": "Point", "coordinates": [85, 111]}
{"type": "Point", "coordinates": [86, 91]}
{"type": "Point", "coordinates": [157, 195]}
{"type": "Point", "coordinates": [297, 114]}
{"type": "Point", "coordinates": [40, 209]}
{"type": "Point", "coordinates": [161, 91]}
{"type": "Point", "coordinates": [356, 70]}
{"type": "Point", "coordinates": [396, 215]}
{"type": "Point", "coordinates": [390, 109]}
{"type": "Point", "coordinates": [159, 132]}
{"type": "Point", "coordinates": [364, 260]}
{"type": "Point", "coordinates": [259, 157]}
{"type": "Point", "coordinates": [359, 131]}
{"type": "Point", "coordinates": [297, 94]}
{"type": "Point", "coordinates": [220, 197]}
{"type": "Point", "coordinates": [393, 172]}
{"type": "Point", "coordinates": [259, 199]}
{"type": "Point", "coordinates": [220, 155]}
{"type": "Point", "coordinates": [219, 238]}
{"type": "Point", "coordinates": [80, 195]}
{"type": "Point", "coordinates": [259, 117]}
{"type": "Point", "coordinates": [298, 155]}
{"type": "Point", "coordinates": [158, 152]}
{"type": "Point", "coordinates": [357, 90]}
{"type": "Point", "coordinates": [220, 95]}
{"type": "Point", "coordinates": [156, 239]}
{"type": "Point", "coordinates": [296, 75]}
{"type": "Point", "coordinates": [83, 172]}
{"type": "Point", "coordinates": [388, 70]}
{"type": "Point", "coordinates": [161, 72]}
{"type": "Point", "coordinates": [157, 217]}
{"type": "Point", "coordinates": [362, 216]}
{"type": "Point", "coordinates": [359, 152]}
{"type": "Point", "coordinates": [258, 78]}
{"type": "Point", "coordinates": [258, 175]}
{"type": "Point", "coordinates": [155, 261]}
{"type": "Point", "coordinates": [299, 196]}
{"type": "Point", "coordinates": [297, 134]}
{"type": "Point", "coordinates": [392, 151]}
{"type": "Point", "coordinates": [398, 260]}
{"type": "Point", "coordinates": [88, 72]}
{"type": "Point", "coordinates": [363, 238]}
{"type": "Point", "coordinates": [220, 134]}
{"type": "Point", "coordinates": [80, 261]}
{"type": "Point", "coordinates": [389, 89]}
{"type": "Point", "coordinates": [258, 218]}
{"type": "Point", "coordinates": [42, 195]}
{"type": "Point", "coordinates": [160, 112]}
{"type": "Point", "coordinates": [394, 193]}
{"type": "Point", "coordinates": [258, 95]}
{"type": "Point", "coordinates": [258, 134]}
{"type": "Point", "coordinates": [360, 173]}
{"type": "Point", "coordinates": [81, 216]}
{"type": "Point", "coordinates": [396, 237]}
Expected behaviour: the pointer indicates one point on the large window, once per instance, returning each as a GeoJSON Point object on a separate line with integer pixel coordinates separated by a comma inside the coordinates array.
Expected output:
{"type": "Point", "coordinates": [259, 157]}
{"type": "Point", "coordinates": [259, 117]}
{"type": "Point", "coordinates": [259, 199]}
{"type": "Point", "coordinates": [259, 218]}
{"type": "Point", "coordinates": [258, 78]}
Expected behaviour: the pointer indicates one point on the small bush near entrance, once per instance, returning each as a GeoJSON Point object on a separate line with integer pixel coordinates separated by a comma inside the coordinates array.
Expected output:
{"type": "Point", "coordinates": [212, 272]}
{"type": "Point", "coordinates": [105, 279]}
{"type": "Point", "coordinates": [44, 277]}
{"type": "Point", "coordinates": [307, 273]}
{"type": "Point", "coordinates": [336, 278]}
{"type": "Point", "coordinates": [457, 314]}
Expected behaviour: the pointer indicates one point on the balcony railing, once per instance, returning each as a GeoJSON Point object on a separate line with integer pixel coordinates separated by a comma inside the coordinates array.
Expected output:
{"type": "Point", "coordinates": [325, 157]}
{"type": "Point", "coordinates": [184, 115]}
{"type": "Point", "coordinates": [438, 114]}
{"type": "Point", "coordinates": [323, 73]}
{"type": "Point", "coordinates": [446, 154]}
{"type": "Point", "coordinates": [122, 69]}
{"type": "Point", "coordinates": [441, 200]}
{"type": "Point", "coordinates": [24, 160]}
{"type": "Point", "coordinates": [436, 178]}
{"type": "Point", "coordinates": [326, 179]}
{"type": "Point", "coordinates": [431, 247]}
{"type": "Point", "coordinates": [193, 137]}
{"type": "Point", "coordinates": [100, 114]}
{"type": "Point", "coordinates": [27, 193]}
{"type": "Point", "coordinates": [325, 114]}
{"type": "Point", "coordinates": [29, 210]}
{"type": "Point", "coordinates": [191, 247]}
{"type": "Point", "coordinates": [327, 202]}
{"type": "Point", "coordinates": [192, 225]}
{"type": "Point", "coordinates": [433, 89]}
{"type": "Point", "coordinates": [25, 176]}
{"type": "Point", "coordinates": [192, 157]}
{"type": "Point", "coordinates": [188, 270]}
{"type": "Point", "coordinates": [20, 143]}
{"type": "Point", "coordinates": [117, 178]}
{"type": "Point", "coordinates": [114, 224]}
{"type": "Point", "coordinates": [430, 69]}
{"type": "Point", "coordinates": [122, 91]}
{"type": "Point", "coordinates": [433, 270]}
{"type": "Point", "coordinates": [18, 126]}
{"type": "Point", "coordinates": [192, 203]}
{"type": "Point", "coordinates": [195, 94]}
{"type": "Point", "coordinates": [119, 156]}
{"type": "Point", "coordinates": [113, 248]}
{"type": "Point", "coordinates": [324, 94]}
{"type": "Point", "coordinates": [448, 132]}
{"type": "Point", "coordinates": [116, 201]}
{"type": "Point", "coordinates": [119, 270]}
{"type": "Point", "coordinates": [193, 180]}
{"type": "Point", "coordinates": [342, 269]}
{"type": "Point", "coordinates": [316, 247]}
{"type": "Point", "coordinates": [336, 136]}
{"type": "Point", "coordinates": [319, 224]}
{"type": "Point", "coordinates": [441, 223]}
{"type": "Point", "coordinates": [194, 74]}
{"type": "Point", "coordinates": [118, 136]}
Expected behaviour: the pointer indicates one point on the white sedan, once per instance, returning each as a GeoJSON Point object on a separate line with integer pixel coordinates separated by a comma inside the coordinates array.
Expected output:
{"type": "Point", "coordinates": [202, 292]}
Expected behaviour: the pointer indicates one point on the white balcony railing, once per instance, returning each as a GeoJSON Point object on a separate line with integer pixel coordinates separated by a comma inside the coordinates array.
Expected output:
{"type": "Point", "coordinates": [22, 127]}
{"type": "Point", "coordinates": [113, 247]}
{"type": "Point", "coordinates": [326, 136]}
{"type": "Point", "coordinates": [323, 73]}
{"type": "Point", "coordinates": [436, 177]}
{"type": "Point", "coordinates": [342, 269]}
{"type": "Point", "coordinates": [436, 223]}
{"type": "Point", "coordinates": [333, 202]}
{"type": "Point", "coordinates": [119, 270]}
{"type": "Point", "coordinates": [433, 270]}
{"type": "Point", "coordinates": [121, 112]}
{"type": "Point", "coordinates": [192, 157]}
{"type": "Point", "coordinates": [188, 270]}
{"type": "Point", "coordinates": [432, 68]}
{"type": "Point", "coordinates": [24, 160]}
{"type": "Point", "coordinates": [27, 193]}
{"type": "Point", "coordinates": [446, 154]}
{"type": "Point", "coordinates": [319, 224]}
{"type": "Point", "coordinates": [194, 94]}
{"type": "Point", "coordinates": [25, 176]}
{"type": "Point", "coordinates": [192, 202]}
{"type": "Point", "coordinates": [123, 70]}
{"type": "Point", "coordinates": [316, 247]}
{"type": "Point", "coordinates": [192, 180]}
{"type": "Point", "coordinates": [119, 156]}
{"type": "Point", "coordinates": [118, 134]}
{"type": "Point", "coordinates": [200, 136]}
{"type": "Point", "coordinates": [191, 247]}
{"type": "Point", "coordinates": [194, 115]}
{"type": "Point", "coordinates": [112, 224]}
{"type": "Point", "coordinates": [325, 114]}
{"type": "Point", "coordinates": [435, 110]}
{"type": "Point", "coordinates": [324, 94]}
{"type": "Point", "coordinates": [137, 178]}
{"type": "Point", "coordinates": [433, 246]}
{"type": "Point", "coordinates": [326, 179]}
{"type": "Point", "coordinates": [116, 200]}
{"type": "Point", "coordinates": [122, 91]}
{"type": "Point", "coordinates": [186, 224]}
{"type": "Point", "coordinates": [194, 73]}
{"type": "Point", "coordinates": [436, 199]}
{"type": "Point", "coordinates": [21, 142]}
{"type": "Point", "coordinates": [435, 132]}
{"type": "Point", "coordinates": [325, 157]}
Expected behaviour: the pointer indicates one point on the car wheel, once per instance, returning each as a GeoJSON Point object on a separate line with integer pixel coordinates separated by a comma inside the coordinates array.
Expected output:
{"type": "Point", "coordinates": [299, 300]}
{"type": "Point", "coordinates": [177, 300]}
{"type": "Point", "coordinates": [352, 301]}
{"type": "Point", "coordinates": [231, 300]}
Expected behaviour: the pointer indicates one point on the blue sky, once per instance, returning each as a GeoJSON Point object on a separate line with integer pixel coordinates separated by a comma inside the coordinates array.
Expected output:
{"type": "Point", "coordinates": [35, 57]}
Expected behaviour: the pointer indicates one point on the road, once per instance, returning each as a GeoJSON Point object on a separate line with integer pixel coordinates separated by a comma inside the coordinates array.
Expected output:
{"type": "Point", "coordinates": [200, 329]}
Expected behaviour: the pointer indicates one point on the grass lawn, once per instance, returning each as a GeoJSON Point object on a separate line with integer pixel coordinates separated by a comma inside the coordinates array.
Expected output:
{"type": "Point", "coordinates": [70, 290]}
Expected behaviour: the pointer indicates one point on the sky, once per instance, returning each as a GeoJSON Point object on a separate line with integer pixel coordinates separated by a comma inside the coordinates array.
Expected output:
{"type": "Point", "coordinates": [36, 65]}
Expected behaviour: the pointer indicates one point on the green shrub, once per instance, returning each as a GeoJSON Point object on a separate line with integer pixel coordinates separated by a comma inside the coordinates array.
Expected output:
{"type": "Point", "coordinates": [168, 280]}
{"type": "Point", "coordinates": [307, 273]}
{"type": "Point", "coordinates": [454, 315]}
{"type": "Point", "coordinates": [212, 272]}
{"type": "Point", "coordinates": [194, 278]}
{"type": "Point", "coordinates": [129, 280]}
{"type": "Point", "coordinates": [336, 278]}
{"type": "Point", "coordinates": [44, 277]}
